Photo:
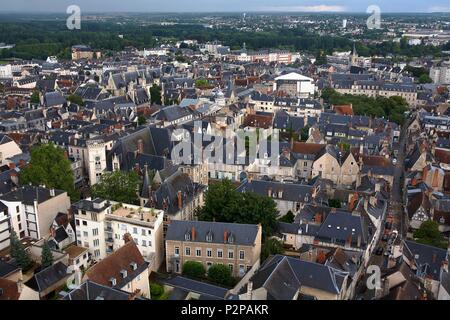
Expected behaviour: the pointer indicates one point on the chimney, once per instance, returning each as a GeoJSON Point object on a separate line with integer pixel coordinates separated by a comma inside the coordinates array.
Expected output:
{"type": "Point", "coordinates": [19, 286]}
{"type": "Point", "coordinates": [12, 165]}
{"type": "Point", "coordinates": [225, 236]}
{"type": "Point", "coordinates": [193, 233]}
{"type": "Point", "coordinates": [249, 290]}
{"type": "Point", "coordinates": [377, 186]}
{"type": "Point", "coordinates": [180, 200]}
{"type": "Point", "coordinates": [318, 218]}
{"type": "Point", "coordinates": [140, 146]}
{"type": "Point", "coordinates": [127, 237]}
{"type": "Point", "coordinates": [445, 265]}
{"type": "Point", "coordinates": [53, 232]}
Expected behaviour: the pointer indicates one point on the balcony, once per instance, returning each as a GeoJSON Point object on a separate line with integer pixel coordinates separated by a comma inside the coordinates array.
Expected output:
{"type": "Point", "coordinates": [108, 229]}
{"type": "Point", "coordinates": [109, 240]}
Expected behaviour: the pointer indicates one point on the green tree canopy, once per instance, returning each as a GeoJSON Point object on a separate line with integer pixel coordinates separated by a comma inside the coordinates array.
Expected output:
{"type": "Point", "coordinates": [49, 166]}
{"type": "Point", "coordinates": [18, 252]}
{"type": "Point", "coordinates": [142, 120]}
{"type": "Point", "coordinates": [334, 203]}
{"type": "Point", "coordinates": [392, 108]}
{"type": "Point", "coordinates": [194, 269]}
{"type": "Point", "coordinates": [75, 99]}
{"type": "Point", "coordinates": [220, 274]}
{"type": "Point", "coordinates": [270, 247]}
{"type": "Point", "coordinates": [155, 94]}
{"type": "Point", "coordinates": [46, 255]}
{"type": "Point", "coordinates": [35, 97]}
{"type": "Point", "coordinates": [424, 78]}
{"type": "Point", "coordinates": [118, 186]}
{"type": "Point", "coordinates": [201, 83]}
{"type": "Point", "coordinates": [288, 217]}
{"type": "Point", "coordinates": [224, 204]}
{"type": "Point", "coordinates": [429, 233]}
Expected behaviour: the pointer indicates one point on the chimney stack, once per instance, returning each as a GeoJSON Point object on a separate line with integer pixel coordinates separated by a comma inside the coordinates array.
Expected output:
{"type": "Point", "coordinates": [140, 146]}
{"type": "Point", "coordinates": [225, 236]}
{"type": "Point", "coordinates": [180, 200]}
{"type": "Point", "coordinates": [193, 233]}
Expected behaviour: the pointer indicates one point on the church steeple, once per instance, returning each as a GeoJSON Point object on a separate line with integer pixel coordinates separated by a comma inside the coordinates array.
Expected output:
{"type": "Point", "coordinates": [354, 55]}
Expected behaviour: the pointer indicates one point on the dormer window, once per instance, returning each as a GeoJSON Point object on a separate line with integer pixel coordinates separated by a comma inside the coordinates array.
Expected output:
{"type": "Point", "coordinates": [209, 236]}
{"type": "Point", "coordinates": [231, 238]}
{"type": "Point", "coordinates": [187, 236]}
{"type": "Point", "coordinates": [113, 281]}
{"type": "Point", "coordinates": [133, 266]}
{"type": "Point", "coordinates": [123, 273]}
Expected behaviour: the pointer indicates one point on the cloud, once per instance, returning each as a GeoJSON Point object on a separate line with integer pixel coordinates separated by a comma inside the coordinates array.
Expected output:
{"type": "Point", "coordinates": [439, 9]}
{"type": "Point", "coordinates": [314, 8]}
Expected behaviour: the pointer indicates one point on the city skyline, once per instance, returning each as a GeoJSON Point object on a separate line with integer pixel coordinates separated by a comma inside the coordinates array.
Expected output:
{"type": "Point", "coordinates": [415, 6]}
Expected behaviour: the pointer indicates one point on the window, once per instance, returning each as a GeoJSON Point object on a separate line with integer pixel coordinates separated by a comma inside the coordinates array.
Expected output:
{"type": "Point", "coordinates": [84, 223]}
{"type": "Point", "coordinates": [135, 230]}
{"type": "Point", "coordinates": [188, 251]}
{"type": "Point", "coordinates": [220, 253]}
{"type": "Point", "coordinates": [95, 232]}
{"type": "Point", "coordinates": [85, 234]}
{"type": "Point", "coordinates": [177, 251]}
{"type": "Point", "coordinates": [17, 209]}
{"type": "Point", "coordinates": [143, 232]}
{"type": "Point", "coordinates": [230, 254]}
{"type": "Point", "coordinates": [231, 267]}
{"type": "Point", "coordinates": [208, 265]}
{"type": "Point", "coordinates": [96, 243]}
{"type": "Point", "coordinates": [144, 243]}
{"type": "Point", "coordinates": [198, 252]}
{"type": "Point", "coordinates": [77, 222]}
{"type": "Point", "coordinates": [86, 244]}
{"type": "Point", "coordinates": [97, 253]}
{"type": "Point", "coordinates": [242, 254]}
{"type": "Point", "coordinates": [18, 218]}
{"type": "Point", "coordinates": [208, 252]}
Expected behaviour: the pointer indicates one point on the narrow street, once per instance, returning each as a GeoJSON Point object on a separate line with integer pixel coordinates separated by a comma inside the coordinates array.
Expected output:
{"type": "Point", "coordinates": [395, 213]}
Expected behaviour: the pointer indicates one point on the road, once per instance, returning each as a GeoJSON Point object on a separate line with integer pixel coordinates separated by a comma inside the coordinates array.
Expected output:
{"type": "Point", "coordinates": [395, 213]}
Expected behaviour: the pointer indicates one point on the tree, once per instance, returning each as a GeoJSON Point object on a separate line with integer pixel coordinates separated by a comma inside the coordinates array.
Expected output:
{"type": "Point", "coordinates": [118, 186]}
{"type": "Point", "coordinates": [288, 217]}
{"type": "Point", "coordinates": [334, 203]}
{"type": "Point", "coordinates": [49, 166]}
{"type": "Point", "coordinates": [156, 290]}
{"type": "Point", "coordinates": [142, 120]}
{"type": "Point", "coordinates": [194, 269]}
{"type": "Point", "coordinates": [35, 97]}
{"type": "Point", "coordinates": [46, 256]}
{"type": "Point", "coordinates": [224, 204]}
{"type": "Point", "coordinates": [304, 133]}
{"type": "Point", "coordinates": [220, 274]}
{"type": "Point", "coordinates": [201, 83]}
{"type": "Point", "coordinates": [75, 99]}
{"type": "Point", "coordinates": [428, 233]}
{"type": "Point", "coordinates": [424, 78]}
{"type": "Point", "coordinates": [155, 94]}
{"type": "Point", "coordinates": [19, 253]}
{"type": "Point", "coordinates": [270, 247]}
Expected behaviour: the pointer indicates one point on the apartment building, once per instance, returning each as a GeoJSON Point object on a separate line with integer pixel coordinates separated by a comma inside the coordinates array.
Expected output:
{"type": "Point", "coordinates": [103, 226]}
{"type": "Point", "coordinates": [236, 245]}
{"type": "Point", "coordinates": [32, 210]}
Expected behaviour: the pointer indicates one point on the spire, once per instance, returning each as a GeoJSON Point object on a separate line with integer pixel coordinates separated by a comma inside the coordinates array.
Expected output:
{"type": "Point", "coordinates": [146, 185]}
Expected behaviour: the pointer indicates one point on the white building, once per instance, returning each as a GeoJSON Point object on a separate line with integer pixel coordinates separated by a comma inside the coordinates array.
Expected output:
{"type": "Point", "coordinates": [32, 210]}
{"type": "Point", "coordinates": [440, 75]}
{"type": "Point", "coordinates": [102, 227]}
{"type": "Point", "coordinates": [295, 84]}
{"type": "Point", "coordinates": [5, 71]}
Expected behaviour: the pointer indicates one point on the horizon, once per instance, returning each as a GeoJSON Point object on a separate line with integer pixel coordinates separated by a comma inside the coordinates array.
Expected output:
{"type": "Point", "coordinates": [227, 6]}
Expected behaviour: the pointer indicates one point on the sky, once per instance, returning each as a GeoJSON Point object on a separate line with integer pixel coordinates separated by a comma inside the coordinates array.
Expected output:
{"type": "Point", "coordinates": [225, 5]}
